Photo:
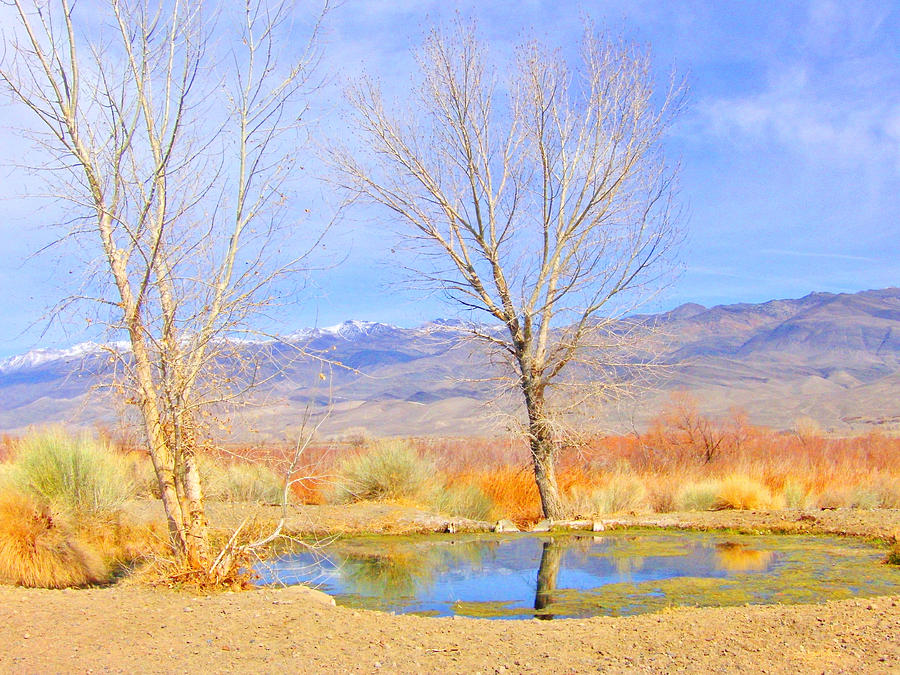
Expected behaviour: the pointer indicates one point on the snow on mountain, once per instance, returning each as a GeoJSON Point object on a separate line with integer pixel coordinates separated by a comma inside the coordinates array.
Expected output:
{"type": "Point", "coordinates": [39, 357]}
{"type": "Point", "coordinates": [348, 330]}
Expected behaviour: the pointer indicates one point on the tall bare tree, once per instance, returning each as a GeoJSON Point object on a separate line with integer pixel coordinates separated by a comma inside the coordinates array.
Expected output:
{"type": "Point", "coordinates": [540, 200]}
{"type": "Point", "coordinates": [171, 148]}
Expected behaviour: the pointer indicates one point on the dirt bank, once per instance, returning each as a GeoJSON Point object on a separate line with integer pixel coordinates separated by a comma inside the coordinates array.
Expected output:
{"type": "Point", "coordinates": [132, 628]}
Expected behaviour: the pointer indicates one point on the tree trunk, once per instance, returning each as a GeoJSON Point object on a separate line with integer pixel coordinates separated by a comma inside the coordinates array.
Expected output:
{"type": "Point", "coordinates": [544, 460]}
{"type": "Point", "coordinates": [543, 455]}
{"type": "Point", "coordinates": [179, 480]}
{"type": "Point", "coordinates": [198, 542]}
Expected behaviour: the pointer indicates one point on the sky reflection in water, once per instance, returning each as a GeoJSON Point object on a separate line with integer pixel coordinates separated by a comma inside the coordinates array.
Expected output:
{"type": "Point", "coordinates": [583, 575]}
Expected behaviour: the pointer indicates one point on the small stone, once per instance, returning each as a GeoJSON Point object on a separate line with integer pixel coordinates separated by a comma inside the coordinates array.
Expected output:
{"type": "Point", "coordinates": [542, 526]}
{"type": "Point", "coordinates": [598, 526]}
{"type": "Point", "coordinates": [505, 525]}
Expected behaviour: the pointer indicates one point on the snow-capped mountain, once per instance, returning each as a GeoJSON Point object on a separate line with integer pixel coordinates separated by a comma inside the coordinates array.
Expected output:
{"type": "Point", "coordinates": [832, 357]}
{"type": "Point", "coordinates": [39, 357]}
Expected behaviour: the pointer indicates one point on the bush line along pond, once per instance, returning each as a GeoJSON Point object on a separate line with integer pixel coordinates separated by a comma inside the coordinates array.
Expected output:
{"type": "Point", "coordinates": [580, 575]}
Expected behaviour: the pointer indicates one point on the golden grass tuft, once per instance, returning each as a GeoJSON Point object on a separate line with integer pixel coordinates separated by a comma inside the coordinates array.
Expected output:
{"type": "Point", "coordinates": [38, 550]}
{"type": "Point", "coordinates": [740, 492]}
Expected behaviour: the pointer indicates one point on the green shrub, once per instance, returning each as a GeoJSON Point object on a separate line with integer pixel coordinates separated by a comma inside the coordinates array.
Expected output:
{"type": "Point", "coordinates": [621, 492]}
{"type": "Point", "coordinates": [795, 495]}
{"type": "Point", "coordinates": [388, 470]}
{"type": "Point", "coordinates": [698, 496]}
{"type": "Point", "coordinates": [74, 473]}
{"type": "Point", "coordinates": [893, 556]}
{"type": "Point", "coordinates": [464, 501]}
{"type": "Point", "coordinates": [239, 481]}
{"type": "Point", "coordinates": [253, 483]}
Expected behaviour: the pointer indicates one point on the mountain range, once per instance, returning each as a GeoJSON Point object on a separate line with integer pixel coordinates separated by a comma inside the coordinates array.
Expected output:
{"type": "Point", "coordinates": [833, 359]}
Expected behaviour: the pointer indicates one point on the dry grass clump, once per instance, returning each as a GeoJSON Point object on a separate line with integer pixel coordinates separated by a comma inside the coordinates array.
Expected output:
{"type": "Point", "coordinates": [61, 522]}
{"type": "Point", "coordinates": [743, 493]}
{"type": "Point", "coordinates": [388, 470]}
{"type": "Point", "coordinates": [39, 549]}
{"type": "Point", "coordinates": [893, 556]}
{"type": "Point", "coordinates": [736, 491]}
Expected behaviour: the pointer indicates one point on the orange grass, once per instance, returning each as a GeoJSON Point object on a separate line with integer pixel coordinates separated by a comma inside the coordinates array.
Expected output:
{"type": "Point", "coordinates": [37, 550]}
{"type": "Point", "coordinates": [751, 468]}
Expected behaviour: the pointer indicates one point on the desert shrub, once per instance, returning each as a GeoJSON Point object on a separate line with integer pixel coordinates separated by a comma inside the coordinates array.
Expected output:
{"type": "Point", "coordinates": [865, 498]}
{"type": "Point", "coordinates": [388, 470]}
{"type": "Point", "coordinates": [76, 473]}
{"type": "Point", "coordinates": [893, 556]}
{"type": "Point", "coordinates": [887, 488]}
{"type": "Point", "coordinates": [662, 494]}
{"type": "Point", "coordinates": [213, 477]}
{"type": "Point", "coordinates": [141, 475]}
{"type": "Point", "coordinates": [252, 483]}
{"type": "Point", "coordinates": [39, 549]}
{"type": "Point", "coordinates": [239, 481]}
{"type": "Point", "coordinates": [744, 493]}
{"type": "Point", "coordinates": [795, 496]}
{"type": "Point", "coordinates": [700, 496]}
{"type": "Point", "coordinates": [833, 498]}
{"type": "Point", "coordinates": [463, 500]}
{"type": "Point", "coordinates": [621, 491]}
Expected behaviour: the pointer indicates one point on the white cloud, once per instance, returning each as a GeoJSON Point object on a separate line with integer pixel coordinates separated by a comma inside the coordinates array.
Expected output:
{"type": "Point", "coordinates": [802, 117]}
{"type": "Point", "coordinates": [831, 94]}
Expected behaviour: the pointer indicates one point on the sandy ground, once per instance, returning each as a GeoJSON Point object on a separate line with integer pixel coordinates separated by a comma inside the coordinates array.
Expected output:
{"type": "Point", "coordinates": [135, 628]}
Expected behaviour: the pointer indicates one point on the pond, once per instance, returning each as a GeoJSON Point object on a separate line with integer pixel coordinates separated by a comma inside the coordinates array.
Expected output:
{"type": "Point", "coordinates": [578, 575]}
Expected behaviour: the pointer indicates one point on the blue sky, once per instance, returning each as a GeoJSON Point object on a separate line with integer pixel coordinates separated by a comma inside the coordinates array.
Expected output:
{"type": "Point", "coordinates": [790, 153]}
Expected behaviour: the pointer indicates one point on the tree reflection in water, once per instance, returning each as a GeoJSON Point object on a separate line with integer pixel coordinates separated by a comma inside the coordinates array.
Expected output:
{"type": "Point", "coordinates": [551, 557]}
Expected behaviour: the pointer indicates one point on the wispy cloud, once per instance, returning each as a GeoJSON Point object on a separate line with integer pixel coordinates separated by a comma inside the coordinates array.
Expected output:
{"type": "Point", "coordinates": [815, 254]}
{"type": "Point", "coordinates": [834, 96]}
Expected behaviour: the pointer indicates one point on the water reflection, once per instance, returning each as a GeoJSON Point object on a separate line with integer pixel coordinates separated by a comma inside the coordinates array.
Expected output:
{"type": "Point", "coordinates": [548, 572]}
{"type": "Point", "coordinates": [527, 576]}
{"type": "Point", "coordinates": [735, 557]}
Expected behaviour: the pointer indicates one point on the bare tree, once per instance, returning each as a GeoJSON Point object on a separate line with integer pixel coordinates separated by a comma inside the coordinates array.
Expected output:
{"type": "Point", "coordinates": [542, 205]}
{"type": "Point", "coordinates": [170, 147]}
